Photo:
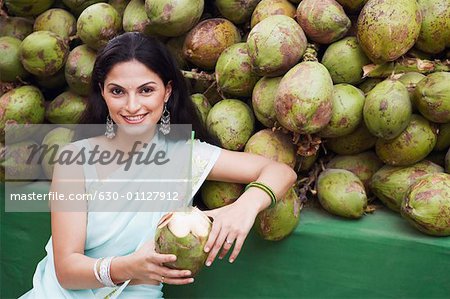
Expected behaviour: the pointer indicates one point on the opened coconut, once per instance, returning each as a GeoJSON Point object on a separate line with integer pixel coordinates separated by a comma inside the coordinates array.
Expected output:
{"type": "Point", "coordinates": [184, 234]}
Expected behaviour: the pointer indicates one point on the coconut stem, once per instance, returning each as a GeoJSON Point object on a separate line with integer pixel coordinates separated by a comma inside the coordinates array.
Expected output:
{"type": "Point", "coordinates": [310, 52]}
{"type": "Point", "coordinates": [406, 65]}
{"type": "Point", "coordinates": [198, 75]}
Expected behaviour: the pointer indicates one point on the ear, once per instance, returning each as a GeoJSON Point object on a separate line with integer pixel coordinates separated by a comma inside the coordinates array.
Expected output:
{"type": "Point", "coordinates": [101, 91]}
{"type": "Point", "coordinates": [168, 90]}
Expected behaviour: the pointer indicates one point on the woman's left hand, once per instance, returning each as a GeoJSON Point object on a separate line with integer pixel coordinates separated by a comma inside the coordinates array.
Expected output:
{"type": "Point", "coordinates": [231, 224]}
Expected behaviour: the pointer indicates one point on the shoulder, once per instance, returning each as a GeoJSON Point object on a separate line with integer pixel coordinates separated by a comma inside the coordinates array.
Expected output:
{"type": "Point", "coordinates": [199, 147]}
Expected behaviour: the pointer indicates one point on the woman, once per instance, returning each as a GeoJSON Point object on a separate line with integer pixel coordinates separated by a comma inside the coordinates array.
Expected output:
{"type": "Point", "coordinates": [136, 82]}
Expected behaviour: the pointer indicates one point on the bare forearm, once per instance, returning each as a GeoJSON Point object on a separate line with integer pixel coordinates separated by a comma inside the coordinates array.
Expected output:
{"type": "Point", "coordinates": [76, 271]}
{"type": "Point", "coordinates": [278, 177]}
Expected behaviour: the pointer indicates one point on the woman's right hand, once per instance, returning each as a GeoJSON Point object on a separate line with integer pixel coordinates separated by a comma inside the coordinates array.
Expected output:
{"type": "Point", "coordinates": [148, 268]}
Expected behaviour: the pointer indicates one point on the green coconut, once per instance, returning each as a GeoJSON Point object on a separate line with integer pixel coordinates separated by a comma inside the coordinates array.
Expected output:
{"type": "Point", "coordinates": [27, 8]}
{"type": "Point", "coordinates": [231, 122]}
{"type": "Point", "coordinates": [55, 81]}
{"type": "Point", "coordinates": [410, 81]}
{"type": "Point", "coordinates": [354, 143]}
{"type": "Point", "coordinates": [234, 74]}
{"type": "Point", "coordinates": [208, 39]}
{"type": "Point", "coordinates": [173, 17]}
{"type": "Point", "coordinates": [443, 138]}
{"type": "Point", "coordinates": [369, 84]}
{"type": "Point", "coordinates": [387, 109]}
{"type": "Point", "coordinates": [387, 29]}
{"type": "Point", "coordinates": [304, 98]}
{"type": "Point", "coordinates": [324, 21]}
{"type": "Point", "coordinates": [347, 113]}
{"type": "Point", "coordinates": [97, 24]}
{"type": "Point", "coordinates": [432, 95]}
{"type": "Point", "coordinates": [22, 105]}
{"type": "Point", "coordinates": [427, 205]}
{"type": "Point", "coordinates": [352, 6]}
{"type": "Point", "coordinates": [341, 193]}
{"type": "Point", "coordinates": [344, 60]}
{"type": "Point", "coordinates": [305, 163]}
{"type": "Point", "coordinates": [202, 106]}
{"type": "Point", "coordinates": [135, 18]}
{"type": "Point", "coordinates": [274, 145]}
{"type": "Point", "coordinates": [58, 21]}
{"type": "Point", "coordinates": [77, 6]}
{"type": "Point", "coordinates": [217, 194]}
{"type": "Point", "coordinates": [363, 165]}
{"type": "Point", "coordinates": [66, 108]}
{"type": "Point", "coordinates": [275, 45]}
{"type": "Point", "coordinates": [119, 5]}
{"type": "Point", "coordinates": [15, 27]}
{"type": "Point", "coordinates": [267, 8]}
{"type": "Point", "coordinates": [78, 69]}
{"type": "Point", "coordinates": [13, 162]}
{"type": "Point", "coordinates": [390, 184]}
{"type": "Point", "coordinates": [411, 146]}
{"type": "Point", "coordinates": [54, 141]}
{"type": "Point", "coordinates": [277, 223]}
{"type": "Point", "coordinates": [43, 53]}
{"type": "Point", "coordinates": [435, 30]}
{"type": "Point", "coordinates": [263, 99]}
{"type": "Point", "coordinates": [11, 68]}
{"type": "Point", "coordinates": [237, 11]}
{"type": "Point", "coordinates": [184, 234]}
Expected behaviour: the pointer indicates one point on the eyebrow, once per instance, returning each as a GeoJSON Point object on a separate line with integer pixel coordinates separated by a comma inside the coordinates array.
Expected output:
{"type": "Point", "coordinates": [149, 82]}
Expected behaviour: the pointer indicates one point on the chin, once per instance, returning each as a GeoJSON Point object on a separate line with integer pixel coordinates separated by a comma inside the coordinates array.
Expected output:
{"type": "Point", "coordinates": [136, 130]}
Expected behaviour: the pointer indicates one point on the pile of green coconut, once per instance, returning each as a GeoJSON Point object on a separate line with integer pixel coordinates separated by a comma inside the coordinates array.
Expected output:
{"type": "Point", "coordinates": [352, 94]}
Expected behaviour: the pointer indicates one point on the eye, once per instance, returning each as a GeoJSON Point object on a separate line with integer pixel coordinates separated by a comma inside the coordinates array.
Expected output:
{"type": "Point", "coordinates": [116, 91]}
{"type": "Point", "coordinates": [146, 90]}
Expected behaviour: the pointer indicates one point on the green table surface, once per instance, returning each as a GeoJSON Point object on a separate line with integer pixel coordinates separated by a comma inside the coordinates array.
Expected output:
{"type": "Point", "coordinates": [378, 256]}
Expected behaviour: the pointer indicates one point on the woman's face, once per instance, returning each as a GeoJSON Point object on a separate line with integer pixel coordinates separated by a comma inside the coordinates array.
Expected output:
{"type": "Point", "coordinates": [135, 94]}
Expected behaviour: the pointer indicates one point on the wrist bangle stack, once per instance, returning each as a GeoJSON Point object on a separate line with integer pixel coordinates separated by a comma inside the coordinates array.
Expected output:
{"type": "Point", "coordinates": [102, 271]}
{"type": "Point", "coordinates": [266, 189]}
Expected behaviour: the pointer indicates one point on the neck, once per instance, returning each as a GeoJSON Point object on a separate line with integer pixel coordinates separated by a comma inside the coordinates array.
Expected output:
{"type": "Point", "coordinates": [127, 136]}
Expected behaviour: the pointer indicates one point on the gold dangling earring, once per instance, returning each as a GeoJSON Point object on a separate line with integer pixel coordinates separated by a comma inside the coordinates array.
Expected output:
{"type": "Point", "coordinates": [109, 128]}
{"type": "Point", "coordinates": [165, 121]}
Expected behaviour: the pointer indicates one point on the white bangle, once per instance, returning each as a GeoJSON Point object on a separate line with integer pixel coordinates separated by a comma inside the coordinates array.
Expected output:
{"type": "Point", "coordinates": [105, 275]}
{"type": "Point", "coordinates": [97, 276]}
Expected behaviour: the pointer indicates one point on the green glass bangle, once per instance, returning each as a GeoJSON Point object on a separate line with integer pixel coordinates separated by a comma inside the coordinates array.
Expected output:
{"type": "Point", "coordinates": [266, 189]}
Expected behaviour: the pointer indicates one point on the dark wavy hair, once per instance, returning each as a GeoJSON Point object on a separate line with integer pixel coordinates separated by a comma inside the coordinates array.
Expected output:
{"type": "Point", "coordinates": [153, 54]}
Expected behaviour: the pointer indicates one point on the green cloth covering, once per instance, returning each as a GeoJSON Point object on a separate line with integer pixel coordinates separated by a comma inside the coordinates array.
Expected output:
{"type": "Point", "coordinates": [379, 256]}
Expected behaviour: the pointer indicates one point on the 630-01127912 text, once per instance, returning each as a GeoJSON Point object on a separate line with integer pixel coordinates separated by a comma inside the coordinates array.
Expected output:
{"type": "Point", "coordinates": [103, 196]}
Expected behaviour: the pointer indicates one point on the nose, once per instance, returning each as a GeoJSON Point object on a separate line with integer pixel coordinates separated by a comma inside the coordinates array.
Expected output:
{"type": "Point", "coordinates": [133, 104]}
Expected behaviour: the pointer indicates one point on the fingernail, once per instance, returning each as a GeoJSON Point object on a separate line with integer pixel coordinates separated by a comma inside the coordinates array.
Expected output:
{"type": "Point", "coordinates": [220, 257]}
{"type": "Point", "coordinates": [208, 263]}
{"type": "Point", "coordinates": [191, 280]}
{"type": "Point", "coordinates": [187, 273]}
{"type": "Point", "coordinates": [206, 249]}
{"type": "Point", "coordinates": [231, 260]}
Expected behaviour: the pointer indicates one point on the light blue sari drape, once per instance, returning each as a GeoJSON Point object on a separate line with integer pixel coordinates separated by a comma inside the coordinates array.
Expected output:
{"type": "Point", "coordinates": [116, 233]}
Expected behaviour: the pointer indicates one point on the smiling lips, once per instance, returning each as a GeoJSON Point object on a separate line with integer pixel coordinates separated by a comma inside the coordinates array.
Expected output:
{"type": "Point", "coordinates": [135, 119]}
